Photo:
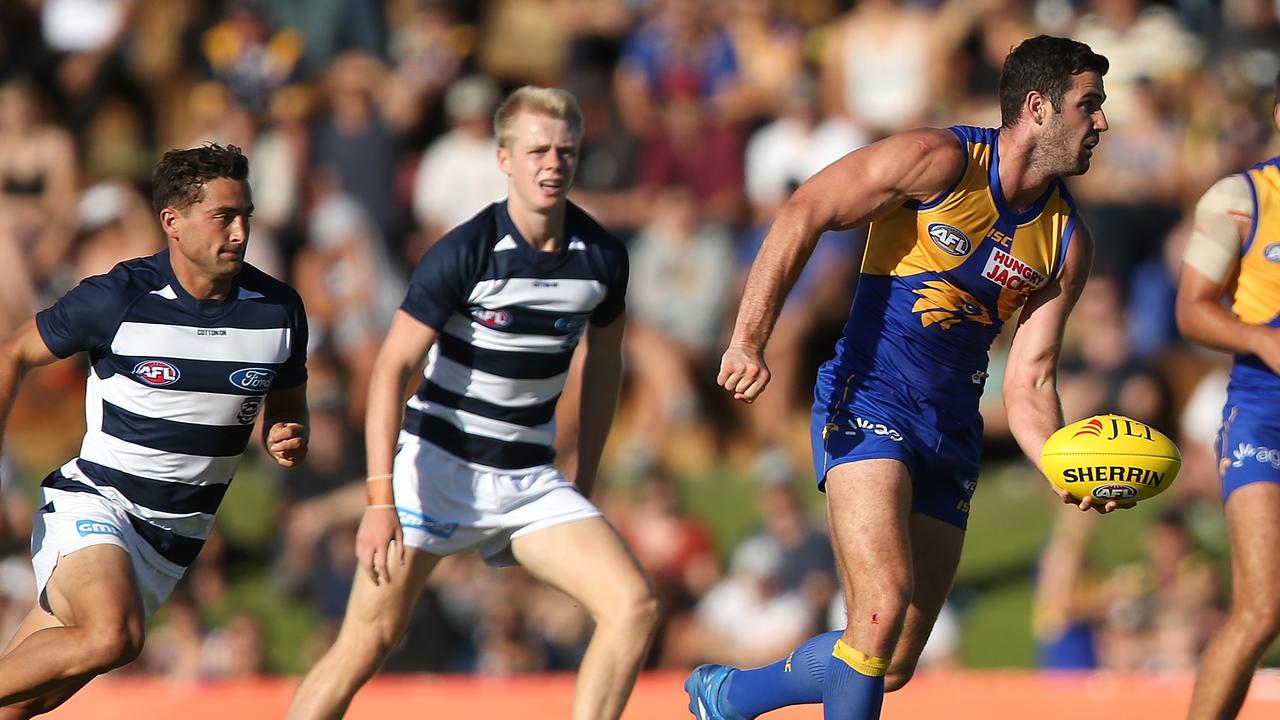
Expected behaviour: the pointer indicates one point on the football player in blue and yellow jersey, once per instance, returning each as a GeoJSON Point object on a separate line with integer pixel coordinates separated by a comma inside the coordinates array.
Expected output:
{"type": "Point", "coordinates": [1234, 251]}
{"type": "Point", "coordinates": [968, 225]}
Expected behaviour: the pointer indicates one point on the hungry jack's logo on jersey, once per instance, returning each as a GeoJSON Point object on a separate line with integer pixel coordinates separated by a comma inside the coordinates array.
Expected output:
{"type": "Point", "coordinates": [945, 304]}
{"type": "Point", "coordinates": [1009, 272]}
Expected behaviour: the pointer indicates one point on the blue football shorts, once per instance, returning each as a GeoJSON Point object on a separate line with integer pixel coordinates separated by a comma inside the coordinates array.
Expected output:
{"type": "Point", "coordinates": [857, 416]}
{"type": "Point", "coordinates": [1248, 446]}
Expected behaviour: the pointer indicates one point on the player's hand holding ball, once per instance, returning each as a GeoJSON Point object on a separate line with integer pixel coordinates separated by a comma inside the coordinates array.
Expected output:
{"type": "Point", "coordinates": [1109, 461]}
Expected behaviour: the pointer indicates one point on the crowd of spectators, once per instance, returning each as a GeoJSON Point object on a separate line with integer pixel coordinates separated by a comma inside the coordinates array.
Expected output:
{"type": "Point", "coordinates": [367, 124]}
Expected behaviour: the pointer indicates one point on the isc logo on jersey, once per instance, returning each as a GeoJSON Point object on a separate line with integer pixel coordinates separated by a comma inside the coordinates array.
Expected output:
{"type": "Point", "coordinates": [950, 240]}
{"type": "Point", "coordinates": [156, 372]}
{"type": "Point", "coordinates": [1009, 272]}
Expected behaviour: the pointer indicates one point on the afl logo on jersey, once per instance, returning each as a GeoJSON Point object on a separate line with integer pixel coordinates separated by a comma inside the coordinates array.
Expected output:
{"type": "Point", "coordinates": [1272, 252]}
{"type": "Point", "coordinates": [258, 379]}
{"type": "Point", "coordinates": [949, 239]}
{"type": "Point", "coordinates": [490, 318]}
{"type": "Point", "coordinates": [156, 373]}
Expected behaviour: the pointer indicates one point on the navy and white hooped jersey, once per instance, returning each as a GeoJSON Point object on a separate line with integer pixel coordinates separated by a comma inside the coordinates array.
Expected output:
{"type": "Point", "coordinates": [175, 387]}
{"type": "Point", "coordinates": [509, 317]}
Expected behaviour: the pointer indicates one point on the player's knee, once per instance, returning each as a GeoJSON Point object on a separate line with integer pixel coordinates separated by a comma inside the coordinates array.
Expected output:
{"type": "Point", "coordinates": [637, 612]}
{"type": "Point", "coordinates": [1262, 617]}
{"type": "Point", "coordinates": [367, 644]}
{"type": "Point", "coordinates": [885, 604]}
{"type": "Point", "coordinates": [112, 645]}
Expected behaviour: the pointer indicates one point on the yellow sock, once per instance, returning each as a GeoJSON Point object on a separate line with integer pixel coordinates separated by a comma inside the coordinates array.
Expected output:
{"type": "Point", "coordinates": [860, 661]}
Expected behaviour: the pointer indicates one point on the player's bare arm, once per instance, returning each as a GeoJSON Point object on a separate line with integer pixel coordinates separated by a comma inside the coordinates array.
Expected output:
{"type": "Point", "coordinates": [851, 192]}
{"type": "Point", "coordinates": [1031, 380]}
{"type": "Point", "coordinates": [285, 425]}
{"type": "Point", "coordinates": [407, 343]}
{"type": "Point", "coordinates": [20, 352]}
{"type": "Point", "coordinates": [601, 381]}
{"type": "Point", "coordinates": [1222, 221]}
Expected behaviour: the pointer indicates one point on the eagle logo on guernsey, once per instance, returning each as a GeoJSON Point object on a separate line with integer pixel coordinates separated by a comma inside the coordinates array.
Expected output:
{"type": "Point", "coordinates": [490, 318]}
{"type": "Point", "coordinates": [945, 304]}
{"type": "Point", "coordinates": [156, 373]}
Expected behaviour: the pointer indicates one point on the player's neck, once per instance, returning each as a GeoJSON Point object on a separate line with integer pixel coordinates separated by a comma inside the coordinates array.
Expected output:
{"type": "Point", "coordinates": [1023, 183]}
{"type": "Point", "coordinates": [199, 285]}
{"type": "Point", "coordinates": [541, 228]}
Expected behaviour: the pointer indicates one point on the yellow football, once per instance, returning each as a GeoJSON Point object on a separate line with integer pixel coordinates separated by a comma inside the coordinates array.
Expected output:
{"type": "Point", "coordinates": [1110, 457]}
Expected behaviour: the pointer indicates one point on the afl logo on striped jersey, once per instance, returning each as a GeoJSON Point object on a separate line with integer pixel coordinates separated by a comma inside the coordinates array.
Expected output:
{"type": "Point", "coordinates": [949, 239]}
{"type": "Point", "coordinates": [498, 318]}
{"type": "Point", "coordinates": [157, 373]}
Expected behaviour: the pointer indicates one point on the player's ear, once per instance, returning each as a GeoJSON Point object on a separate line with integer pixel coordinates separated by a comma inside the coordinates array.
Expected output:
{"type": "Point", "coordinates": [170, 220]}
{"type": "Point", "coordinates": [1037, 106]}
{"type": "Point", "coordinates": [504, 160]}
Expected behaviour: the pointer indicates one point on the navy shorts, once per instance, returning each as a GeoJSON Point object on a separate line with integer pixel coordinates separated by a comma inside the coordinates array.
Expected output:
{"type": "Point", "coordinates": [860, 417]}
{"type": "Point", "coordinates": [1248, 446]}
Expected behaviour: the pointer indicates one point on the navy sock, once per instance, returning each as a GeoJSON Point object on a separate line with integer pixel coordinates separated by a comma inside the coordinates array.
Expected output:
{"type": "Point", "coordinates": [849, 693]}
{"type": "Point", "coordinates": [794, 680]}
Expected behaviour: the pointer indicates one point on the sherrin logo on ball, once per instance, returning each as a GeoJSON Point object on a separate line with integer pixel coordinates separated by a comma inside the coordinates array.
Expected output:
{"type": "Point", "coordinates": [1110, 457]}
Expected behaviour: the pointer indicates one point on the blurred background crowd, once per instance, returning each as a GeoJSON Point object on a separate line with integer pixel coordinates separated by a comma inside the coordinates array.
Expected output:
{"type": "Point", "coordinates": [367, 123]}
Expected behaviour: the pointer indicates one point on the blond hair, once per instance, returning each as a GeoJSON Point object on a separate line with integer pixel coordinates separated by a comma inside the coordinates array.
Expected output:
{"type": "Point", "coordinates": [552, 102]}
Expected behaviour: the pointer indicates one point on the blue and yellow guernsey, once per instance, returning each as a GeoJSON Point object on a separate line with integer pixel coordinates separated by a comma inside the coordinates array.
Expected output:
{"type": "Point", "coordinates": [1256, 299]}
{"type": "Point", "coordinates": [939, 279]}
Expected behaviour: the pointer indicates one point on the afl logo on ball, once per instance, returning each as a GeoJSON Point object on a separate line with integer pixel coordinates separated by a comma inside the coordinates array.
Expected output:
{"type": "Point", "coordinates": [156, 372]}
{"type": "Point", "coordinates": [1115, 492]}
{"type": "Point", "coordinates": [949, 239]}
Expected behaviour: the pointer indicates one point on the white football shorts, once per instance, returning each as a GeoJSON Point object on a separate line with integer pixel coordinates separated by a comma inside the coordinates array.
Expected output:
{"type": "Point", "coordinates": [71, 521]}
{"type": "Point", "coordinates": [446, 506]}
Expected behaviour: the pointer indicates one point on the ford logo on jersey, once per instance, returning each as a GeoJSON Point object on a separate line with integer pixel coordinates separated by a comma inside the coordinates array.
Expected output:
{"type": "Point", "coordinates": [156, 372]}
{"type": "Point", "coordinates": [570, 324]}
{"type": "Point", "coordinates": [1272, 253]}
{"type": "Point", "coordinates": [490, 318]}
{"type": "Point", "coordinates": [949, 239]}
{"type": "Point", "coordinates": [253, 378]}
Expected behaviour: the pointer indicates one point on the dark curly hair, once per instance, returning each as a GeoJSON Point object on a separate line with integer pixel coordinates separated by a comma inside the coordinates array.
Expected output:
{"type": "Point", "coordinates": [179, 177]}
{"type": "Point", "coordinates": [1046, 64]}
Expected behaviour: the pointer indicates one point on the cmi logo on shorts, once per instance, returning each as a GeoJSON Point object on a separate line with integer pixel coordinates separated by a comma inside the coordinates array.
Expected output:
{"type": "Point", "coordinates": [94, 527]}
{"type": "Point", "coordinates": [430, 526]}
